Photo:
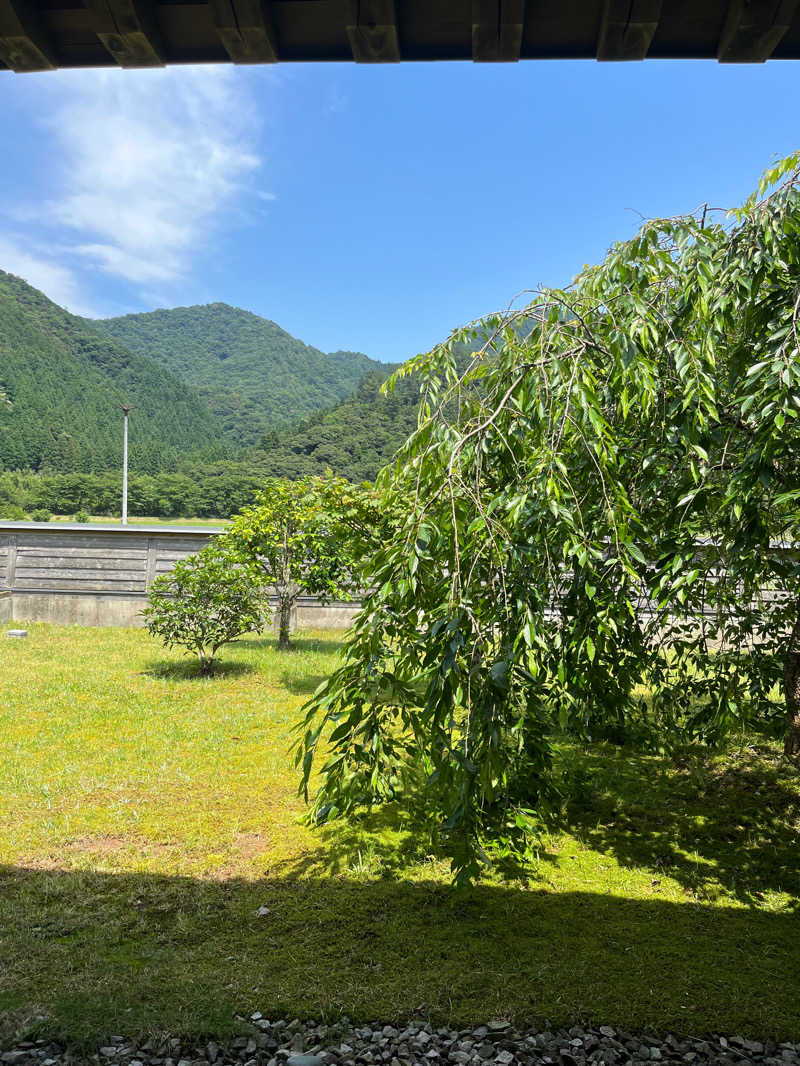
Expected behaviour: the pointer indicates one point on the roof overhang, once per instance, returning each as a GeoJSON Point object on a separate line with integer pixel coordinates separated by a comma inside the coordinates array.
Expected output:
{"type": "Point", "coordinates": [48, 34]}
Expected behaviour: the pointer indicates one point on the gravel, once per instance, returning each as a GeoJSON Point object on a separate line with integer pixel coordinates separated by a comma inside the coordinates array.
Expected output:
{"type": "Point", "coordinates": [495, 1043]}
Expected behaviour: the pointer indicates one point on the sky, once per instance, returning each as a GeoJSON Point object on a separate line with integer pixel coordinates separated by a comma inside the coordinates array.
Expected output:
{"type": "Point", "coordinates": [371, 208]}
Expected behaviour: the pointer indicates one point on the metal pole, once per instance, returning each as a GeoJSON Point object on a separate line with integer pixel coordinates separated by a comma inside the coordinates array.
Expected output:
{"type": "Point", "coordinates": [125, 408]}
{"type": "Point", "coordinates": [125, 469]}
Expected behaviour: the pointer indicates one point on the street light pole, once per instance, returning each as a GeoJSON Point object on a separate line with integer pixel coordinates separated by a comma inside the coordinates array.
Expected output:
{"type": "Point", "coordinates": [126, 409]}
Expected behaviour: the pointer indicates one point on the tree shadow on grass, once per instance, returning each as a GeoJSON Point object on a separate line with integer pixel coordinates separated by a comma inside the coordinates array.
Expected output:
{"type": "Point", "coordinates": [304, 684]}
{"type": "Point", "coordinates": [729, 827]}
{"type": "Point", "coordinates": [377, 843]}
{"type": "Point", "coordinates": [299, 643]}
{"type": "Point", "coordinates": [99, 953]}
{"type": "Point", "coordinates": [189, 670]}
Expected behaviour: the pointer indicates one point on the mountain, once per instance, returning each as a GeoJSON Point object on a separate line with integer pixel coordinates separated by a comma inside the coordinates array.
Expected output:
{"type": "Point", "coordinates": [254, 375]}
{"type": "Point", "coordinates": [61, 381]}
{"type": "Point", "coordinates": [354, 438]}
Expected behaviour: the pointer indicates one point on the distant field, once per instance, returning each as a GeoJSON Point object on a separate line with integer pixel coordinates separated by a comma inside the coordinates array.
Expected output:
{"type": "Point", "coordinates": [140, 521]}
{"type": "Point", "coordinates": [147, 814]}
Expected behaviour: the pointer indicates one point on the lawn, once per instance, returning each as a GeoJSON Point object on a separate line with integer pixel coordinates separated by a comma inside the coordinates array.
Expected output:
{"type": "Point", "coordinates": [146, 815]}
{"type": "Point", "coordinates": [139, 520]}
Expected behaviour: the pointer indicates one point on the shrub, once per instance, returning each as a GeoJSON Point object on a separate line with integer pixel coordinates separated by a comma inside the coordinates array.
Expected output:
{"type": "Point", "coordinates": [82, 517]}
{"type": "Point", "coordinates": [11, 512]}
{"type": "Point", "coordinates": [208, 600]}
{"type": "Point", "coordinates": [41, 514]}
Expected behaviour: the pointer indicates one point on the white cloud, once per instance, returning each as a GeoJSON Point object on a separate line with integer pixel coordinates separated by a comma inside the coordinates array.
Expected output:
{"type": "Point", "coordinates": [57, 281]}
{"type": "Point", "coordinates": [150, 162]}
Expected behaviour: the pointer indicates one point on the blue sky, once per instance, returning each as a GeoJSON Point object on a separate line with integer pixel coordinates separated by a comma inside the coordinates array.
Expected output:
{"type": "Point", "coordinates": [372, 208]}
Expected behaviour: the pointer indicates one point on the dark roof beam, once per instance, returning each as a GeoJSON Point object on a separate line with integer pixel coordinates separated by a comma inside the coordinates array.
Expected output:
{"type": "Point", "coordinates": [129, 31]}
{"type": "Point", "coordinates": [497, 27]}
{"type": "Point", "coordinates": [246, 30]}
{"type": "Point", "coordinates": [24, 46]}
{"type": "Point", "coordinates": [753, 29]}
{"type": "Point", "coordinates": [372, 31]}
{"type": "Point", "coordinates": [627, 29]}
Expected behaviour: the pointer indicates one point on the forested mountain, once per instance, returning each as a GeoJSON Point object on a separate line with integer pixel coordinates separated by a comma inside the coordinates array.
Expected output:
{"type": "Point", "coordinates": [355, 438]}
{"type": "Point", "coordinates": [254, 375]}
{"type": "Point", "coordinates": [61, 381]}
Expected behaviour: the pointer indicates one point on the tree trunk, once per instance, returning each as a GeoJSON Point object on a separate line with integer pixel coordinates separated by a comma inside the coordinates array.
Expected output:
{"type": "Point", "coordinates": [287, 594]}
{"type": "Point", "coordinates": [284, 622]}
{"type": "Point", "coordinates": [791, 689]}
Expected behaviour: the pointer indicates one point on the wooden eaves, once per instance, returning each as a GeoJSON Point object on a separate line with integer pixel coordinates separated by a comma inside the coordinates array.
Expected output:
{"type": "Point", "coordinates": [49, 34]}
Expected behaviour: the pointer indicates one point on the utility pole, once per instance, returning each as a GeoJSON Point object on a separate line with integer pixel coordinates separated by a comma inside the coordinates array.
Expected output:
{"type": "Point", "coordinates": [126, 409]}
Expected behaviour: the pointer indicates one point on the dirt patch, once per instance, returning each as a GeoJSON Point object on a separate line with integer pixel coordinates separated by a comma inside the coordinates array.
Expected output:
{"type": "Point", "coordinates": [102, 845]}
{"type": "Point", "coordinates": [98, 848]}
{"type": "Point", "coordinates": [251, 845]}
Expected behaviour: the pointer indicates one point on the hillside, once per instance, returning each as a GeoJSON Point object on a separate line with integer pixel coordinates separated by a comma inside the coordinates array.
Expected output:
{"type": "Point", "coordinates": [60, 382]}
{"type": "Point", "coordinates": [254, 375]}
{"type": "Point", "coordinates": [354, 438]}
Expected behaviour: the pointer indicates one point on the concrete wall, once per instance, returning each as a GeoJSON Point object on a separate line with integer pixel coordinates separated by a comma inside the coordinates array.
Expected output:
{"type": "Point", "coordinates": [84, 575]}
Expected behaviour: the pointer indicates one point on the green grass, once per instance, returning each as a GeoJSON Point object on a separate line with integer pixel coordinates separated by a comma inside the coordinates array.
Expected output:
{"type": "Point", "coordinates": [146, 814]}
{"type": "Point", "coordinates": [138, 520]}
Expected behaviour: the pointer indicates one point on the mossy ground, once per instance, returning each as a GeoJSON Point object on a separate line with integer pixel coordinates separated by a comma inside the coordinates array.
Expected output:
{"type": "Point", "coordinates": [146, 815]}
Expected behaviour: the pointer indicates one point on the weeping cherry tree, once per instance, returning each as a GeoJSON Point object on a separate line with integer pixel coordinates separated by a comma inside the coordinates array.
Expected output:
{"type": "Point", "coordinates": [595, 522]}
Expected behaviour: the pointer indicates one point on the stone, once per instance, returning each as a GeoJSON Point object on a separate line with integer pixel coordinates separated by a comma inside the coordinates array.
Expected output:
{"type": "Point", "coordinates": [494, 1044]}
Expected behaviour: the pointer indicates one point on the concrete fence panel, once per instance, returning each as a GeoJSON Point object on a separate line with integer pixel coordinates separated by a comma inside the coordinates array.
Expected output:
{"type": "Point", "coordinates": [75, 574]}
